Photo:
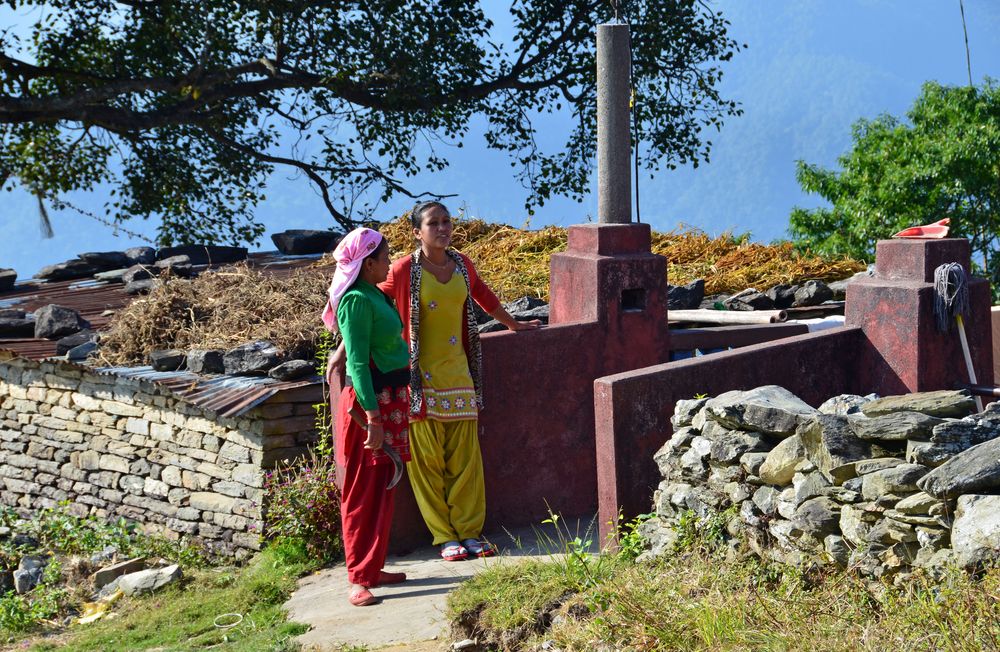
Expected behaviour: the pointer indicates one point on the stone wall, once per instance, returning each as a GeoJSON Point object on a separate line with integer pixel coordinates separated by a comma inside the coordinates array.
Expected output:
{"type": "Point", "coordinates": [118, 446]}
{"type": "Point", "coordinates": [882, 485]}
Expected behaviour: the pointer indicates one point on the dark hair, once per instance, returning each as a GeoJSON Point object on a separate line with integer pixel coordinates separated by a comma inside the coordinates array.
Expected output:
{"type": "Point", "coordinates": [417, 214]}
{"type": "Point", "coordinates": [383, 243]}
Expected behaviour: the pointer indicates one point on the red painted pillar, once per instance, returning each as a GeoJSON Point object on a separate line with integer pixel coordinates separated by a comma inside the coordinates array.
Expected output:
{"type": "Point", "coordinates": [905, 352]}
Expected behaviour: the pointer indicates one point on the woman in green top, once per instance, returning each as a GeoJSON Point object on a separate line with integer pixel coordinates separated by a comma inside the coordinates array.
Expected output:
{"type": "Point", "coordinates": [372, 408]}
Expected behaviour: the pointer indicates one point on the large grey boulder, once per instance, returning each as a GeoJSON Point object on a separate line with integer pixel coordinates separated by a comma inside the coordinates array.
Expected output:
{"type": "Point", "coordinates": [110, 573]}
{"type": "Point", "coordinates": [975, 470]}
{"type": "Point", "coordinates": [749, 299]}
{"type": "Point", "coordinates": [897, 480]}
{"type": "Point", "coordinates": [57, 321]}
{"type": "Point", "coordinates": [523, 309]}
{"type": "Point", "coordinates": [684, 297]}
{"type": "Point", "coordinates": [896, 427]}
{"type": "Point", "coordinates": [809, 485]}
{"type": "Point", "coordinates": [845, 404]}
{"type": "Point", "coordinates": [143, 286]}
{"type": "Point", "coordinates": [779, 466]}
{"type": "Point", "coordinates": [864, 467]}
{"type": "Point", "coordinates": [292, 370]}
{"type": "Point", "coordinates": [301, 242]}
{"type": "Point", "coordinates": [855, 523]}
{"type": "Point", "coordinates": [69, 270]}
{"type": "Point", "coordinates": [167, 359]}
{"type": "Point", "coordinates": [685, 410]}
{"type": "Point", "coordinates": [140, 255]}
{"type": "Point", "coordinates": [7, 279]}
{"type": "Point", "coordinates": [111, 276]}
{"type": "Point", "coordinates": [782, 295]}
{"type": "Point", "coordinates": [252, 358]}
{"type": "Point", "coordinates": [766, 499]}
{"type": "Point", "coordinates": [965, 433]}
{"type": "Point", "coordinates": [918, 503]}
{"type": "Point", "coordinates": [29, 572]}
{"type": "Point", "coordinates": [148, 581]}
{"type": "Point", "coordinates": [818, 516]}
{"type": "Point", "coordinates": [14, 327]}
{"type": "Point", "coordinates": [832, 446]}
{"type": "Point", "coordinates": [204, 254]}
{"type": "Point", "coordinates": [139, 272]}
{"type": "Point", "coordinates": [202, 361]}
{"type": "Point", "coordinates": [812, 293]}
{"type": "Point", "coordinates": [105, 260]}
{"type": "Point", "coordinates": [731, 444]}
{"type": "Point", "coordinates": [177, 265]}
{"type": "Point", "coordinates": [76, 339]}
{"type": "Point", "coordinates": [942, 403]}
{"type": "Point", "coordinates": [769, 409]}
{"type": "Point", "coordinates": [975, 535]}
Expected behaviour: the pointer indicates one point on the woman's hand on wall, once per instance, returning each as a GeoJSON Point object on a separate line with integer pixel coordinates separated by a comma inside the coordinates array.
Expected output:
{"type": "Point", "coordinates": [534, 324]}
{"type": "Point", "coordinates": [504, 317]}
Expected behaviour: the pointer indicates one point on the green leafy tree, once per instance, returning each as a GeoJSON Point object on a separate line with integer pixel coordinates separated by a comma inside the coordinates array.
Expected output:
{"type": "Point", "coordinates": [184, 107]}
{"type": "Point", "coordinates": [943, 161]}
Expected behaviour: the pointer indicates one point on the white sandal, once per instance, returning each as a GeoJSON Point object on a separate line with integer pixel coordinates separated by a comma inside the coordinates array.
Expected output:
{"type": "Point", "coordinates": [453, 551]}
{"type": "Point", "coordinates": [479, 548]}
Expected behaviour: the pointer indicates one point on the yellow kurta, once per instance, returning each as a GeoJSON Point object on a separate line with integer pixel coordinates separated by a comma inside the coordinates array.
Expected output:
{"type": "Point", "coordinates": [448, 388]}
{"type": "Point", "coordinates": [446, 466]}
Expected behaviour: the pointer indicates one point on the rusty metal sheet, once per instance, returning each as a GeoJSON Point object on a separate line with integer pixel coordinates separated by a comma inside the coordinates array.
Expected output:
{"type": "Point", "coordinates": [227, 396]}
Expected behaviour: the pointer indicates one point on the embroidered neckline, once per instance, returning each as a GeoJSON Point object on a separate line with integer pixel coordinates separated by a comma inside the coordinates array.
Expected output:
{"type": "Point", "coordinates": [474, 354]}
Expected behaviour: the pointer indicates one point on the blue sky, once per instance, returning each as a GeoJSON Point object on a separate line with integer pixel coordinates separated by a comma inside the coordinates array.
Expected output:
{"type": "Point", "coordinates": [812, 68]}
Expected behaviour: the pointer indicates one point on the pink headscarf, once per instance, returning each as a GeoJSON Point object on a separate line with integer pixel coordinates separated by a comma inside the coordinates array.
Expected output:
{"type": "Point", "coordinates": [349, 254]}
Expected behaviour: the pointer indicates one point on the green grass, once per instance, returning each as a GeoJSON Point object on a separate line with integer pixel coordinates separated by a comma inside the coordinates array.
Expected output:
{"type": "Point", "coordinates": [183, 617]}
{"type": "Point", "coordinates": [702, 599]}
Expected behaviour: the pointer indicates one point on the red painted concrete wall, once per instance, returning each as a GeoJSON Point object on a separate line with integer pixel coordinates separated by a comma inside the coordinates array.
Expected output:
{"type": "Point", "coordinates": [904, 351]}
{"type": "Point", "coordinates": [890, 345]}
{"type": "Point", "coordinates": [633, 408]}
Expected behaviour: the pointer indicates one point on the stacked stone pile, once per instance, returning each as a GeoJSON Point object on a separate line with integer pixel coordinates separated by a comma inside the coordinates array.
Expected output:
{"type": "Point", "coordinates": [879, 484]}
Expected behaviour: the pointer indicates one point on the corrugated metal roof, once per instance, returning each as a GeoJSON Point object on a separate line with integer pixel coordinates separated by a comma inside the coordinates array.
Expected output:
{"type": "Point", "coordinates": [227, 396]}
{"type": "Point", "coordinates": [96, 301]}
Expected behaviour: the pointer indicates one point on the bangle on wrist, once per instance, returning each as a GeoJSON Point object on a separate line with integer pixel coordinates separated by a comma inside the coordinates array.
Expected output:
{"type": "Point", "coordinates": [377, 421]}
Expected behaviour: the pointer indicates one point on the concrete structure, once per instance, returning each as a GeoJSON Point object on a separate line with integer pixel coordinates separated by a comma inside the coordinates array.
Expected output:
{"type": "Point", "coordinates": [614, 150]}
{"type": "Point", "coordinates": [889, 345]}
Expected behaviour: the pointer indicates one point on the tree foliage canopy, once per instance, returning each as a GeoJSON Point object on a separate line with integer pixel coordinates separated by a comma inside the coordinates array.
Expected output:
{"type": "Point", "coordinates": [184, 107]}
{"type": "Point", "coordinates": [943, 162]}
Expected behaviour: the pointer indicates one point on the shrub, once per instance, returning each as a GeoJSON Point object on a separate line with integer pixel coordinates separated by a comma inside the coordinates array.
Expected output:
{"type": "Point", "coordinates": [304, 506]}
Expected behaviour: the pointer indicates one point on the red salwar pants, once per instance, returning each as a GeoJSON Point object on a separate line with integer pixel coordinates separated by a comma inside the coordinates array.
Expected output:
{"type": "Point", "coordinates": [365, 504]}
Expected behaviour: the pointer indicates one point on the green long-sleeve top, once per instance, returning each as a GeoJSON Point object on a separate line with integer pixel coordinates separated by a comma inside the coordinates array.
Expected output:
{"type": "Point", "coordinates": [372, 330]}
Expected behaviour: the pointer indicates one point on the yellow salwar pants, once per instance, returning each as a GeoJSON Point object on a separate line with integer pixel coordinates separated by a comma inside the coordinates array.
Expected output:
{"type": "Point", "coordinates": [446, 473]}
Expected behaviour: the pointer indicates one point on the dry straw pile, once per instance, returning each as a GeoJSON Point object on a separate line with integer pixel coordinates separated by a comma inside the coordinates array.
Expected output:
{"type": "Point", "coordinates": [515, 262]}
{"type": "Point", "coordinates": [220, 310]}
{"type": "Point", "coordinates": [238, 304]}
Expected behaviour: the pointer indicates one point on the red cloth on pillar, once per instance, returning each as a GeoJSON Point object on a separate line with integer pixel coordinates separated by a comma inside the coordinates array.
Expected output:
{"type": "Point", "coordinates": [365, 504]}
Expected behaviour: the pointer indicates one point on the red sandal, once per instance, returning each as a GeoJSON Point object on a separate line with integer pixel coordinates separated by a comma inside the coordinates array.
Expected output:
{"type": "Point", "coordinates": [362, 598]}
